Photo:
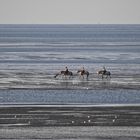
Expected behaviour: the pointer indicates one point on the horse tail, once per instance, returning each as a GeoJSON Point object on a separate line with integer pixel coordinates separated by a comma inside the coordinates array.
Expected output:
{"type": "Point", "coordinates": [56, 75]}
{"type": "Point", "coordinates": [87, 74]}
{"type": "Point", "coordinates": [78, 71]}
{"type": "Point", "coordinates": [110, 74]}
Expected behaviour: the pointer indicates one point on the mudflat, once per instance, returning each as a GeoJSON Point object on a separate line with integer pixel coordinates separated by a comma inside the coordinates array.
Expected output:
{"type": "Point", "coordinates": [70, 122]}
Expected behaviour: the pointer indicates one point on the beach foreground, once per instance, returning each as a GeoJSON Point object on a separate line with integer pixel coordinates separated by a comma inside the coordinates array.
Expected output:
{"type": "Point", "coordinates": [71, 133]}
{"type": "Point", "coordinates": [70, 122]}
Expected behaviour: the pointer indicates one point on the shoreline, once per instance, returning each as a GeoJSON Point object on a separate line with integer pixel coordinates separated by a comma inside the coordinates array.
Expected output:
{"type": "Point", "coordinates": [2, 105]}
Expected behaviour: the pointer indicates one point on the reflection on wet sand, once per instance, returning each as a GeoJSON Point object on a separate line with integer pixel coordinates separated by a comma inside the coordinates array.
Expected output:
{"type": "Point", "coordinates": [36, 79]}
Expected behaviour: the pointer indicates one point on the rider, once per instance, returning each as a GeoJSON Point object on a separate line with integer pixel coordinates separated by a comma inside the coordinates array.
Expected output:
{"type": "Point", "coordinates": [82, 71]}
{"type": "Point", "coordinates": [66, 70]}
{"type": "Point", "coordinates": [104, 70]}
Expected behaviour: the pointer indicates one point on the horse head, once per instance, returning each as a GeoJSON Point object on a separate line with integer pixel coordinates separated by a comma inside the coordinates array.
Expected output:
{"type": "Point", "coordinates": [99, 72]}
{"type": "Point", "coordinates": [78, 71]}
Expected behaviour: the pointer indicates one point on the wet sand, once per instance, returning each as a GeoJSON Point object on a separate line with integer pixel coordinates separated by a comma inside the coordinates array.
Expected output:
{"type": "Point", "coordinates": [70, 115]}
{"type": "Point", "coordinates": [71, 133]}
{"type": "Point", "coordinates": [70, 122]}
{"type": "Point", "coordinates": [74, 122]}
{"type": "Point", "coordinates": [32, 79]}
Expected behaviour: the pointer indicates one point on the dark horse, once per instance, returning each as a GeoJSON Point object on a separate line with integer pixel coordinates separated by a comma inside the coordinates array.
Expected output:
{"type": "Point", "coordinates": [102, 73]}
{"type": "Point", "coordinates": [64, 73]}
{"type": "Point", "coordinates": [82, 73]}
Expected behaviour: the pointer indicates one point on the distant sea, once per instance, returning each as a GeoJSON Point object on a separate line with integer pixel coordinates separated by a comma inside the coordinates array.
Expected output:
{"type": "Point", "coordinates": [30, 56]}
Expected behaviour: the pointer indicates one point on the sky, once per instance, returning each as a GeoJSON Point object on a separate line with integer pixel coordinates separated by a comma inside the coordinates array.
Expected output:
{"type": "Point", "coordinates": [69, 11]}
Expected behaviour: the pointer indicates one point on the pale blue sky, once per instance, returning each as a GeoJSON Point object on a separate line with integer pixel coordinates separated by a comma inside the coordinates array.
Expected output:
{"type": "Point", "coordinates": [69, 11]}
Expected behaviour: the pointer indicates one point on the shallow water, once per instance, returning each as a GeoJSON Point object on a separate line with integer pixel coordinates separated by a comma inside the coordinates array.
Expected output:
{"type": "Point", "coordinates": [92, 97]}
{"type": "Point", "coordinates": [55, 46]}
{"type": "Point", "coordinates": [31, 55]}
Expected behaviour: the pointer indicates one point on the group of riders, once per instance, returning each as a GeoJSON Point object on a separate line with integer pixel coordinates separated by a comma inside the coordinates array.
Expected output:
{"type": "Point", "coordinates": [83, 70]}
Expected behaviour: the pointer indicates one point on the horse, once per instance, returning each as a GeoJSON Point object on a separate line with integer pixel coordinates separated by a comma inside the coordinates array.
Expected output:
{"type": "Point", "coordinates": [83, 73]}
{"type": "Point", "coordinates": [107, 73]}
{"type": "Point", "coordinates": [64, 73]}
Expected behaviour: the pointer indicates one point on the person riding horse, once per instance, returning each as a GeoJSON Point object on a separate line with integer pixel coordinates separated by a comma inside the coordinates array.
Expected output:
{"type": "Point", "coordinates": [82, 71]}
{"type": "Point", "coordinates": [66, 71]}
{"type": "Point", "coordinates": [104, 70]}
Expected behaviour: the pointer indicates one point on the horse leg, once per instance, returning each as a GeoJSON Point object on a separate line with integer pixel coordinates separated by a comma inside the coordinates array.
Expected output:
{"type": "Point", "coordinates": [102, 76]}
{"type": "Point", "coordinates": [98, 75]}
{"type": "Point", "coordinates": [65, 76]}
{"type": "Point", "coordinates": [87, 76]}
{"type": "Point", "coordinates": [81, 76]}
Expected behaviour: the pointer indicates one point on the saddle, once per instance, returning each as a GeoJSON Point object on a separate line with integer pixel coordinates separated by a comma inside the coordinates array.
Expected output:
{"type": "Point", "coordinates": [66, 72]}
{"type": "Point", "coordinates": [82, 72]}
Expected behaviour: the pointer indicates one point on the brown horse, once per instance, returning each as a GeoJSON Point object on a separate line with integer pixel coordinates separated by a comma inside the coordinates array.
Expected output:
{"type": "Point", "coordinates": [82, 73]}
{"type": "Point", "coordinates": [102, 73]}
{"type": "Point", "coordinates": [64, 73]}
